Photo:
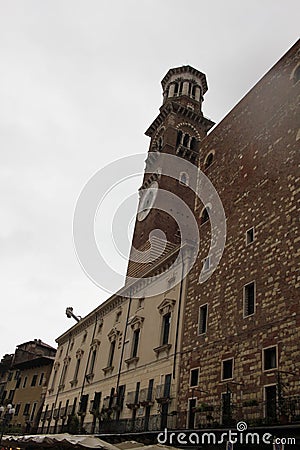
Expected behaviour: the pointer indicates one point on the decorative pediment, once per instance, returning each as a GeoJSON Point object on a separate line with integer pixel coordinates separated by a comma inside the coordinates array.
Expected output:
{"type": "Point", "coordinates": [67, 360]}
{"type": "Point", "coordinates": [113, 334]}
{"type": "Point", "coordinates": [79, 353]}
{"type": "Point", "coordinates": [137, 322]}
{"type": "Point", "coordinates": [166, 306]}
{"type": "Point", "coordinates": [95, 344]}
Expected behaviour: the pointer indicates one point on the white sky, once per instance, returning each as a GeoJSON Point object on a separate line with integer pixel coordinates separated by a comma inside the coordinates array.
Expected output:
{"type": "Point", "coordinates": [79, 85]}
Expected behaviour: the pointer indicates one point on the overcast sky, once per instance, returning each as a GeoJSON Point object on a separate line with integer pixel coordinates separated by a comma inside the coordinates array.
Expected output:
{"type": "Point", "coordinates": [79, 85]}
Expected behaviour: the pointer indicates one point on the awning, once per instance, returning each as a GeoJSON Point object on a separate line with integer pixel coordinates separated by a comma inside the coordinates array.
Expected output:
{"type": "Point", "coordinates": [65, 440]}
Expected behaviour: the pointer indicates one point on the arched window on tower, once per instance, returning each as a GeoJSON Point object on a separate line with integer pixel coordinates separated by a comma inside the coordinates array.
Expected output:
{"type": "Point", "coordinates": [160, 144]}
{"type": "Point", "coordinates": [180, 88]}
{"type": "Point", "coordinates": [194, 91]}
{"type": "Point", "coordinates": [209, 160]}
{"type": "Point", "coordinates": [193, 145]}
{"type": "Point", "coordinates": [205, 214]}
{"type": "Point", "coordinates": [186, 140]}
{"type": "Point", "coordinates": [179, 138]}
{"type": "Point", "coordinates": [176, 87]}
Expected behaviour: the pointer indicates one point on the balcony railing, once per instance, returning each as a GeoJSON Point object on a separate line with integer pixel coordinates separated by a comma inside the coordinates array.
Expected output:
{"type": "Point", "coordinates": [63, 412]}
{"type": "Point", "coordinates": [56, 413]}
{"type": "Point", "coordinates": [254, 412]}
{"type": "Point", "coordinates": [146, 397]}
{"type": "Point", "coordinates": [132, 400]}
{"type": "Point", "coordinates": [163, 393]}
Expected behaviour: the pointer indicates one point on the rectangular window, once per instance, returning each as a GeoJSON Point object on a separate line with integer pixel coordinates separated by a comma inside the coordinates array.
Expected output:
{"type": "Point", "coordinates": [26, 409]}
{"type": "Point", "coordinates": [166, 328]}
{"type": "Point", "coordinates": [227, 369]}
{"type": "Point", "coordinates": [202, 324]}
{"type": "Point", "coordinates": [194, 377]}
{"type": "Point", "coordinates": [34, 380]}
{"type": "Point", "coordinates": [33, 412]}
{"type": "Point", "coordinates": [17, 409]}
{"type": "Point", "coordinates": [83, 403]}
{"type": "Point", "coordinates": [270, 358]}
{"type": "Point", "coordinates": [135, 342]}
{"type": "Point", "coordinates": [250, 236]}
{"type": "Point", "coordinates": [41, 379]}
{"type": "Point", "coordinates": [93, 360]}
{"type": "Point", "coordinates": [249, 299]}
{"type": "Point", "coordinates": [111, 353]}
{"type": "Point", "coordinates": [24, 382]}
{"type": "Point", "coordinates": [77, 368]}
{"type": "Point", "coordinates": [63, 375]}
{"type": "Point", "coordinates": [53, 379]}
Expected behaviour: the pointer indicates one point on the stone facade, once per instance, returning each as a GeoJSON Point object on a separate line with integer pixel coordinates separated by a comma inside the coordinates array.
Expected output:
{"type": "Point", "coordinates": [25, 376]}
{"type": "Point", "coordinates": [252, 298]}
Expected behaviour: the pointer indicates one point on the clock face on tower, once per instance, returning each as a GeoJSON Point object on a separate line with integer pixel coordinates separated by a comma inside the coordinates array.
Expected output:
{"type": "Point", "coordinates": [147, 201]}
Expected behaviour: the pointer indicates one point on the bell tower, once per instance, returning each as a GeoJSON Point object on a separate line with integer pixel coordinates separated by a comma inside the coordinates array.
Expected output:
{"type": "Point", "coordinates": [177, 130]}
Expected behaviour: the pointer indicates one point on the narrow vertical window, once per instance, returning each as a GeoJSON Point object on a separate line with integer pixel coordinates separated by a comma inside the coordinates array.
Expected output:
{"type": "Point", "coordinates": [135, 343]}
{"type": "Point", "coordinates": [203, 310]}
{"type": "Point", "coordinates": [249, 299]}
{"type": "Point", "coordinates": [166, 328]}
{"type": "Point", "coordinates": [111, 353]}
{"type": "Point", "coordinates": [93, 359]}
{"type": "Point", "coordinates": [250, 236]}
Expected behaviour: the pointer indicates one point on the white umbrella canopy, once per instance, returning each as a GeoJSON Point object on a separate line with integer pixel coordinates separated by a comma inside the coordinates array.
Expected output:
{"type": "Point", "coordinates": [51, 440]}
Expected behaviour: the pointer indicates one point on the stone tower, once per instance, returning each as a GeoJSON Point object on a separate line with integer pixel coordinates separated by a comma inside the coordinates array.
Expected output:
{"type": "Point", "coordinates": [177, 130]}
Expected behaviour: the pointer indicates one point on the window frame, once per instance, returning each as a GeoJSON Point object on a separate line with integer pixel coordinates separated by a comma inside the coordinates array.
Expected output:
{"type": "Point", "coordinates": [199, 319]}
{"type": "Point", "coordinates": [275, 346]}
{"type": "Point", "coordinates": [222, 368]}
{"type": "Point", "coordinates": [190, 380]}
{"type": "Point", "coordinates": [244, 299]}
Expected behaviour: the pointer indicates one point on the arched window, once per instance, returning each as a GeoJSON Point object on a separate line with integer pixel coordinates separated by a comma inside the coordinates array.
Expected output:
{"type": "Point", "coordinates": [160, 143]}
{"type": "Point", "coordinates": [176, 89]}
{"type": "Point", "coordinates": [186, 140]}
{"type": "Point", "coordinates": [180, 87]}
{"type": "Point", "coordinates": [209, 160]}
{"type": "Point", "coordinates": [193, 144]}
{"type": "Point", "coordinates": [296, 76]}
{"type": "Point", "coordinates": [179, 137]}
{"type": "Point", "coordinates": [205, 214]}
{"type": "Point", "coordinates": [194, 91]}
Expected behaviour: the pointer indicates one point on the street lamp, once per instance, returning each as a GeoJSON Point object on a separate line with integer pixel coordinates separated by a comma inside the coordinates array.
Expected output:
{"type": "Point", "coordinates": [9, 411]}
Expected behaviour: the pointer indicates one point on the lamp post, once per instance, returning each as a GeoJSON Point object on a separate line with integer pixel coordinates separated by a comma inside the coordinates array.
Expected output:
{"type": "Point", "coordinates": [7, 413]}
